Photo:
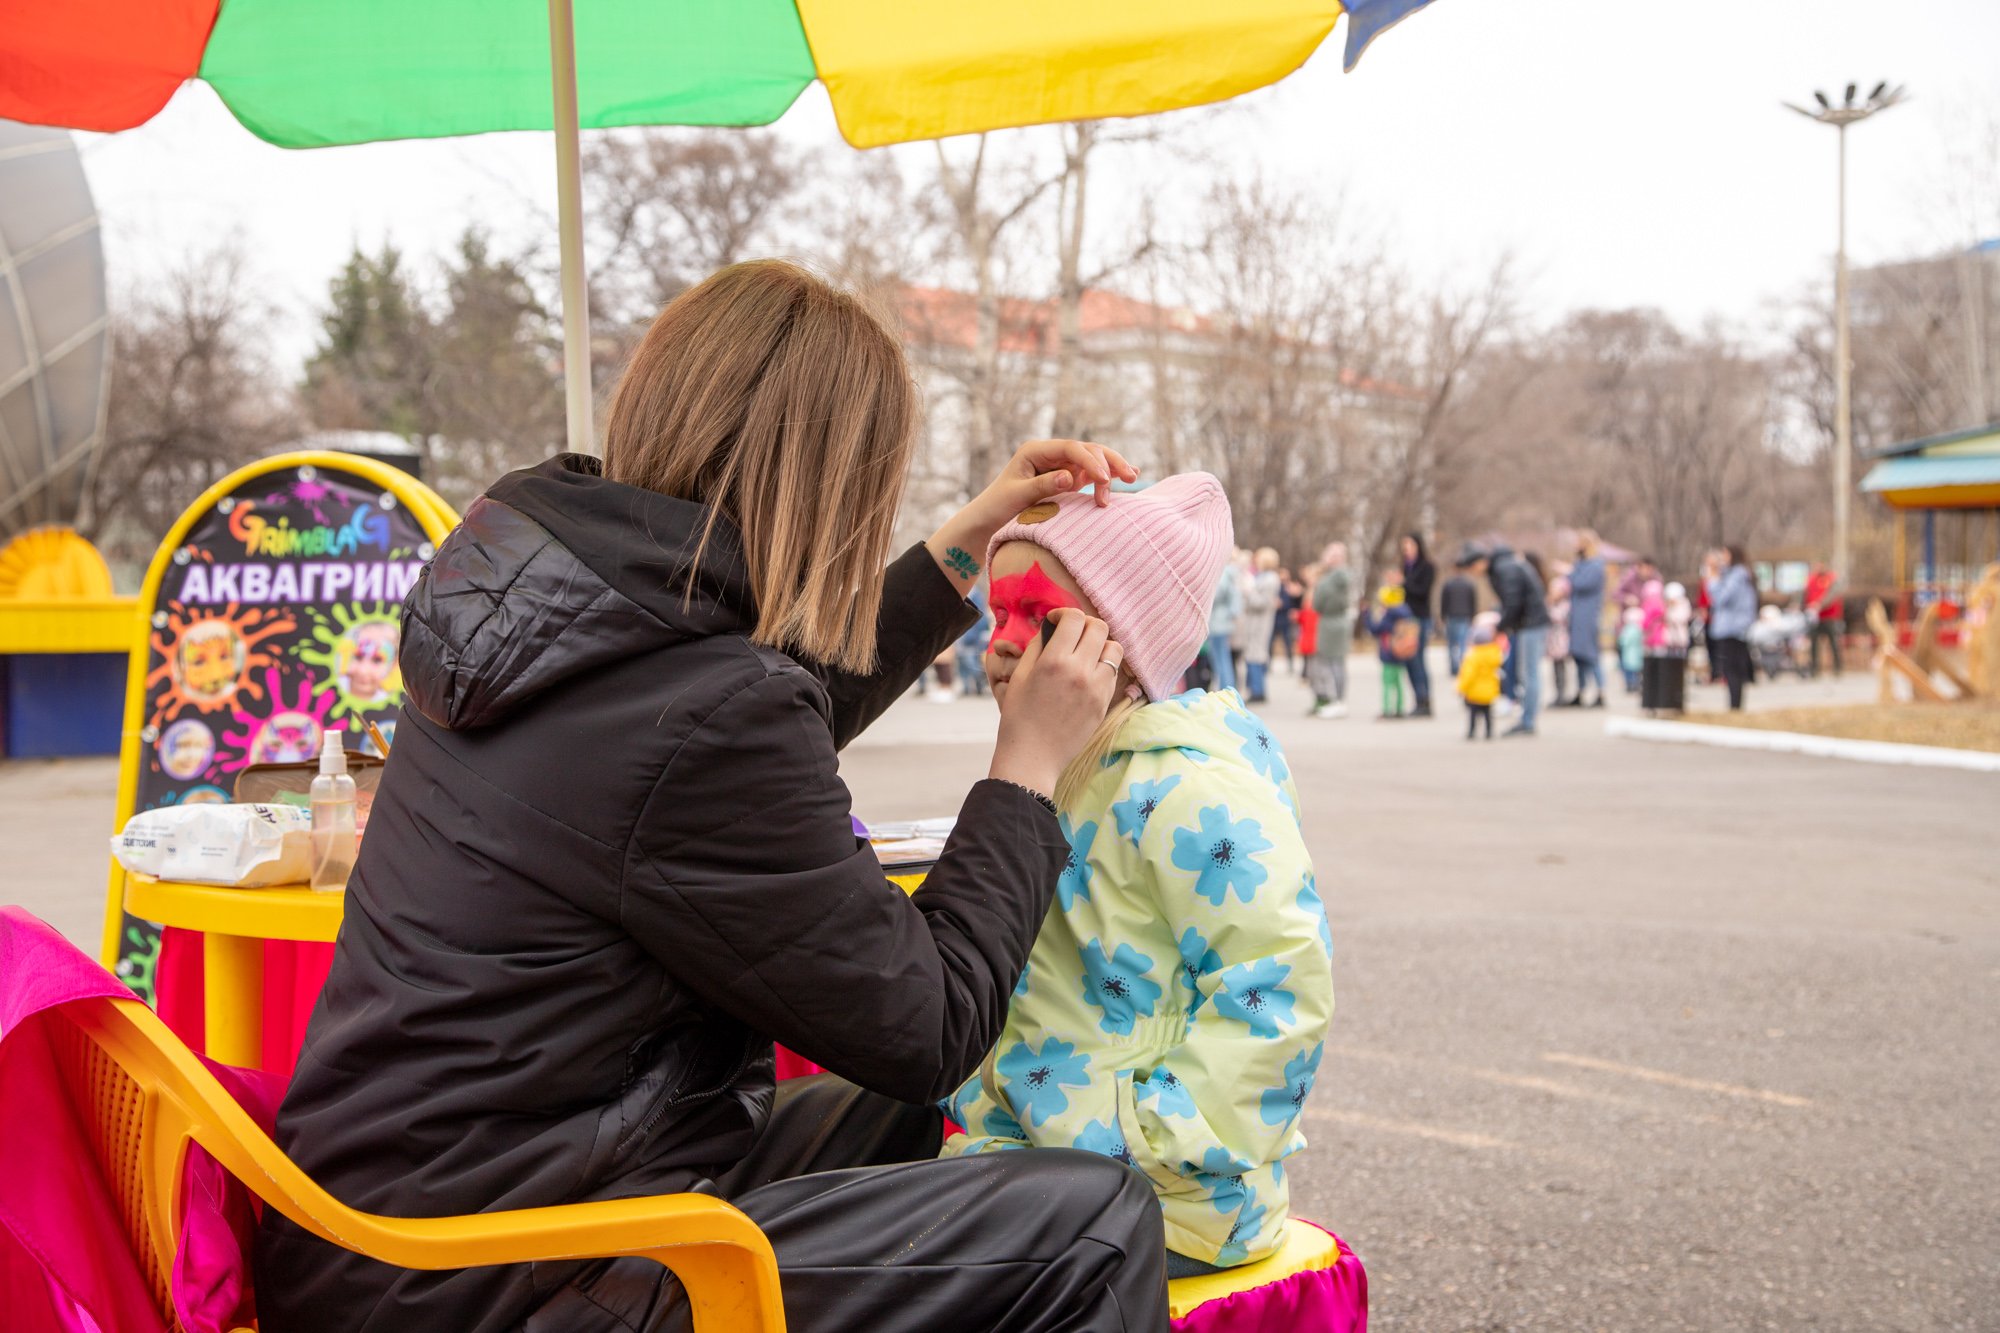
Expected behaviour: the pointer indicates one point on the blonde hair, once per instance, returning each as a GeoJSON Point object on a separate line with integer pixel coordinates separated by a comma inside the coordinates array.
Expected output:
{"type": "Point", "coordinates": [785, 406]}
{"type": "Point", "coordinates": [1091, 758]}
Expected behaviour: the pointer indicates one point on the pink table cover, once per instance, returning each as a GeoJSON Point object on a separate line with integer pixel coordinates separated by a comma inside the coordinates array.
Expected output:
{"type": "Point", "coordinates": [1322, 1300]}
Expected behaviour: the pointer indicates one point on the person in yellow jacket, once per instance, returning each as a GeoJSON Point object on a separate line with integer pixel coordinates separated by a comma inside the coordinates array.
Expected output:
{"type": "Point", "coordinates": [1176, 1002]}
{"type": "Point", "coordinates": [1479, 675]}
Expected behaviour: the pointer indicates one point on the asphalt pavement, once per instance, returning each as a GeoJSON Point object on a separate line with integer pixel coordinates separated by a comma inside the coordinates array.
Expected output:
{"type": "Point", "coordinates": [1630, 1036]}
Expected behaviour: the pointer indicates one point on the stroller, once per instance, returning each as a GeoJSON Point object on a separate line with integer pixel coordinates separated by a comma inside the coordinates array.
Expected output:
{"type": "Point", "coordinates": [1779, 642]}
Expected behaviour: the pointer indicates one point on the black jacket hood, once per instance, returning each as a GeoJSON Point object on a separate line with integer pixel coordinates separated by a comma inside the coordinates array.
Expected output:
{"type": "Point", "coordinates": [554, 571]}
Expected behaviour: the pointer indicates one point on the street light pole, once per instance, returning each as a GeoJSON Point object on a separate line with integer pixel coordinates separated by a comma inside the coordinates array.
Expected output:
{"type": "Point", "coordinates": [1843, 388]}
{"type": "Point", "coordinates": [1849, 112]}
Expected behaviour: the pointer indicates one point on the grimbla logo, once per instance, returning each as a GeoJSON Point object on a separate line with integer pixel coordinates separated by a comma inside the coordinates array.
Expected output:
{"type": "Point", "coordinates": [368, 527]}
{"type": "Point", "coordinates": [289, 574]}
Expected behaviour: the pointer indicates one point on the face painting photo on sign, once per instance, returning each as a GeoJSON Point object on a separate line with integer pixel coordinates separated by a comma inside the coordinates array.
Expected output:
{"type": "Point", "coordinates": [278, 619]}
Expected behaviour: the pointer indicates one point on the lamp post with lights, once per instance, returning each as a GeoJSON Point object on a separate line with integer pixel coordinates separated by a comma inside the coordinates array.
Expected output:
{"type": "Point", "coordinates": [1849, 111]}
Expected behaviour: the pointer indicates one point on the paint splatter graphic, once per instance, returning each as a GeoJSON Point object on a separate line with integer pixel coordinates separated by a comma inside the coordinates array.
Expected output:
{"type": "Point", "coordinates": [289, 733]}
{"type": "Point", "coordinates": [354, 645]}
{"type": "Point", "coordinates": [207, 656]}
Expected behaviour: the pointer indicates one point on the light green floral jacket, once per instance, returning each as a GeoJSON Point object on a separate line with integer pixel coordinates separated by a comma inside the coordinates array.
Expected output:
{"type": "Point", "coordinates": [1174, 1006]}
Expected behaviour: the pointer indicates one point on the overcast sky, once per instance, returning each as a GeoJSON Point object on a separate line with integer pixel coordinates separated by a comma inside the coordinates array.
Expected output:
{"type": "Point", "coordinates": [1629, 153]}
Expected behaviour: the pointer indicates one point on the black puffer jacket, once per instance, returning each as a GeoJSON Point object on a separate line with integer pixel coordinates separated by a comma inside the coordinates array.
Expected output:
{"type": "Point", "coordinates": [1419, 578]}
{"type": "Point", "coordinates": [1523, 602]}
{"type": "Point", "coordinates": [610, 861]}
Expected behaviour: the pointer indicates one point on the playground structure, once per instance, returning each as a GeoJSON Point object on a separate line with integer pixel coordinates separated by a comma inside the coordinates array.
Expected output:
{"type": "Point", "coordinates": [1954, 646]}
{"type": "Point", "coordinates": [1971, 674]}
{"type": "Point", "coordinates": [1950, 484]}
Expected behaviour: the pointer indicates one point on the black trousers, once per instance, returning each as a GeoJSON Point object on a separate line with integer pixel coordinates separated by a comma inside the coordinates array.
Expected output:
{"type": "Point", "coordinates": [1731, 660]}
{"type": "Point", "coordinates": [1829, 632]}
{"type": "Point", "coordinates": [1476, 714]}
{"type": "Point", "coordinates": [873, 1231]}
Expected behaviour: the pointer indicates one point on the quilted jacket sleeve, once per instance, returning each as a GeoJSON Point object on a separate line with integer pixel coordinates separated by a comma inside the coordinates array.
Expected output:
{"type": "Point", "coordinates": [746, 881]}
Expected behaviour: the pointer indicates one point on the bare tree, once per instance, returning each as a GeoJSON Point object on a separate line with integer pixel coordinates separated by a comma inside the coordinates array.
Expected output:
{"type": "Point", "coordinates": [669, 207]}
{"type": "Point", "coordinates": [192, 398]}
{"type": "Point", "coordinates": [1459, 399]}
{"type": "Point", "coordinates": [988, 196]}
{"type": "Point", "coordinates": [1686, 423]}
{"type": "Point", "coordinates": [1080, 141]}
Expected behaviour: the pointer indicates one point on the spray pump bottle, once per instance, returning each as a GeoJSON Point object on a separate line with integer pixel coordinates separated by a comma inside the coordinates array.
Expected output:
{"type": "Point", "coordinates": [333, 839]}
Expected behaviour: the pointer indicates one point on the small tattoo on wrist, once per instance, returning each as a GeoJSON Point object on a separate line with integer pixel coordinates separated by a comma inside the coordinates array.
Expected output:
{"type": "Point", "coordinates": [961, 564]}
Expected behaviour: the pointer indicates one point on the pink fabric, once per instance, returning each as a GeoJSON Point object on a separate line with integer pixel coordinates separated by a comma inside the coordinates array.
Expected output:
{"type": "Point", "coordinates": [1149, 561]}
{"type": "Point", "coordinates": [294, 974]}
{"type": "Point", "coordinates": [791, 1065]}
{"type": "Point", "coordinates": [1324, 1300]}
{"type": "Point", "coordinates": [65, 1263]}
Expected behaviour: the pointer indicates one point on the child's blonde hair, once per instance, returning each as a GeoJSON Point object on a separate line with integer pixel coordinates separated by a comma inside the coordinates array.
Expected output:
{"type": "Point", "coordinates": [1091, 758]}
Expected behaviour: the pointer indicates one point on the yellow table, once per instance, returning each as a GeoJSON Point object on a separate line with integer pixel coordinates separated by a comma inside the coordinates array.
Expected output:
{"type": "Point", "coordinates": [234, 923]}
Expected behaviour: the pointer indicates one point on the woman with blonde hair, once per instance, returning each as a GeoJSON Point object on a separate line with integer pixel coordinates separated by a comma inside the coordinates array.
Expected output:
{"type": "Point", "coordinates": [611, 861]}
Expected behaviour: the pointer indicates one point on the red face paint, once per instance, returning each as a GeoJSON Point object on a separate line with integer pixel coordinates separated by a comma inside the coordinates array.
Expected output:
{"type": "Point", "coordinates": [1020, 602]}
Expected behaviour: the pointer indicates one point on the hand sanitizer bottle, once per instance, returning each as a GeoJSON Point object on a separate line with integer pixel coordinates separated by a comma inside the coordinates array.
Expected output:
{"type": "Point", "coordinates": [333, 841]}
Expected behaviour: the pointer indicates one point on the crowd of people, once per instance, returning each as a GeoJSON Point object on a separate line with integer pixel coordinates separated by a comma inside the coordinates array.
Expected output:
{"type": "Point", "coordinates": [1562, 612]}
{"type": "Point", "coordinates": [1559, 613]}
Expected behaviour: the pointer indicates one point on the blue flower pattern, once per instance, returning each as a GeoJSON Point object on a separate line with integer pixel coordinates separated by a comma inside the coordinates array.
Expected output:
{"type": "Point", "coordinates": [1221, 1174]}
{"type": "Point", "coordinates": [1034, 1077]}
{"type": "Point", "coordinates": [1165, 1088]}
{"type": "Point", "coordinates": [1197, 961]}
{"type": "Point", "coordinates": [1249, 1221]}
{"type": "Point", "coordinates": [1021, 986]}
{"type": "Point", "coordinates": [1043, 1089]}
{"type": "Point", "coordinates": [1315, 907]}
{"type": "Point", "coordinates": [1119, 985]}
{"type": "Point", "coordinates": [1222, 855]}
{"type": "Point", "coordinates": [1074, 885]}
{"type": "Point", "coordinates": [1251, 993]}
{"type": "Point", "coordinates": [1103, 1138]}
{"type": "Point", "coordinates": [1141, 800]}
{"type": "Point", "coordinates": [998, 1124]}
{"type": "Point", "coordinates": [1259, 747]}
{"type": "Point", "coordinates": [1281, 1106]}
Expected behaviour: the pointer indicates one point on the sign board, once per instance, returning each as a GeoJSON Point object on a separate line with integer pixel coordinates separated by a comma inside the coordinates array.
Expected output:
{"type": "Point", "coordinates": [272, 614]}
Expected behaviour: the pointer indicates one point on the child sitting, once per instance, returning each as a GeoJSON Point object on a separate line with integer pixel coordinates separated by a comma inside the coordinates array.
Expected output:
{"type": "Point", "coordinates": [1175, 1002]}
{"type": "Point", "coordinates": [1396, 634]}
{"type": "Point", "coordinates": [1479, 675]}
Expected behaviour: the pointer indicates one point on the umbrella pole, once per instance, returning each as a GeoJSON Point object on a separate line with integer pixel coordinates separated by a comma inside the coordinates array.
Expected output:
{"type": "Point", "coordinates": [569, 203]}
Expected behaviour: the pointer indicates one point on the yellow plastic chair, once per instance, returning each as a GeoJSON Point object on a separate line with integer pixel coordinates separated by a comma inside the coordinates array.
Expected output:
{"type": "Point", "coordinates": [146, 1097]}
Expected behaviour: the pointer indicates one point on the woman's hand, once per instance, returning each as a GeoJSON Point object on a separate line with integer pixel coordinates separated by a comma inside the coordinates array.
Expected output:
{"type": "Point", "coordinates": [1058, 694]}
{"type": "Point", "coordinates": [1039, 470]}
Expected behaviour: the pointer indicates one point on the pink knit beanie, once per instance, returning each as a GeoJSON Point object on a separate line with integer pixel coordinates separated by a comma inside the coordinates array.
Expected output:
{"type": "Point", "coordinates": [1149, 561]}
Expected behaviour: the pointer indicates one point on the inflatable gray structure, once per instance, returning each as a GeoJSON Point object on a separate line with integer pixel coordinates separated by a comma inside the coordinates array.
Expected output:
{"type": "Point", "coordinates": [55, 353]}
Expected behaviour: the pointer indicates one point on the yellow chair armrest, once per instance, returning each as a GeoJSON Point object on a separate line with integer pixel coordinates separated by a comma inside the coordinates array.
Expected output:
{"type": "Point", "coordinates": [720, 1256]}
{"type": "Point", "coordinates": [723, 1261]}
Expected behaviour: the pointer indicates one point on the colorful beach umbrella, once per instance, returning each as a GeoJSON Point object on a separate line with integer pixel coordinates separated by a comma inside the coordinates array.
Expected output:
{"type": "Point", "coordinates": [313, 73]}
